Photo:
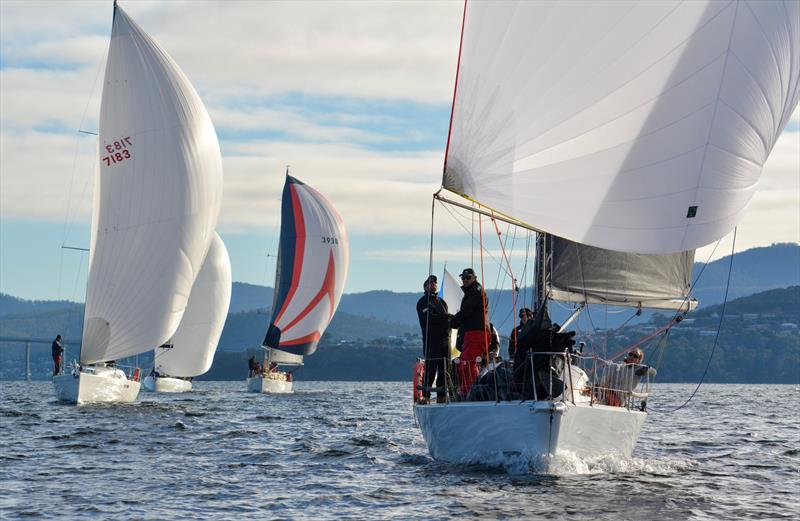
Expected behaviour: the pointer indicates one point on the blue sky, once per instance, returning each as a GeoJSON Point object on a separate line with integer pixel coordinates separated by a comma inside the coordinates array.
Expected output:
{"type": "Point", "coordinates": [354, 95]}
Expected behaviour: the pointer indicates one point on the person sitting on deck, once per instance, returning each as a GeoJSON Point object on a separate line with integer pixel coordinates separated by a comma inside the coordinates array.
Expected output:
{"type": "Point", "coordinates": [619, 381]}
{"type": "Point", "coordinates": [273, 367]}
{"type": "Point", "coordinates": [534, 374]}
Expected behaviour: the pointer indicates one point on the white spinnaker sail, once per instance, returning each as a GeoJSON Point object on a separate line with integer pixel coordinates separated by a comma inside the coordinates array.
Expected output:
{"type": "Point", "coordinates": [157, 198]}
{"type": "Point", "coordinates": [312, 270]}
{"type": "Point", "coordinates": [631, 126]}
{"type": "Point", "coordinates": [195, 341]}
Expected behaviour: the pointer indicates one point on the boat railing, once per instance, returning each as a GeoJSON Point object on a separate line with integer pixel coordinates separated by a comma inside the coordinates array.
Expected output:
{"type": "Point", "coordinates": [564, 376]}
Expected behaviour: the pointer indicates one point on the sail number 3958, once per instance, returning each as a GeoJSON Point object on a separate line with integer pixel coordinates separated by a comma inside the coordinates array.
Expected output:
{"type": "Point", "coordinates": [118, 151]}
{"type": "Point", "coordinates": [330, 240]}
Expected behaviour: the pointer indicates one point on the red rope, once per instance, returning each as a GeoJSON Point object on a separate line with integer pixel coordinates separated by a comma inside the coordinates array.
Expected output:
{"type": "Point", "coordinates": [455, 88]}
{"type": "Point", "coordinates": [645, 339]}
{"type": "Point", "coordinates": [511, 271]}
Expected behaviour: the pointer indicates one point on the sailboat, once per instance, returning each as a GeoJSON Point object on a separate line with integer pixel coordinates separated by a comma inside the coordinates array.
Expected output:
{"type": "Point", "coordinates": [191, 350]}
{"type": "Point", "coordinates": [156, 202]}
{"type": "Point", "coordinates": [313, 259]}
{"type": "Point", "coordinates": [625, 136]}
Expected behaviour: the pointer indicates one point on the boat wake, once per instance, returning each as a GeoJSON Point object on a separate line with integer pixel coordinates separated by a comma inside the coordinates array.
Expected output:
{"type": "Point", "coordinates": [570, 464]}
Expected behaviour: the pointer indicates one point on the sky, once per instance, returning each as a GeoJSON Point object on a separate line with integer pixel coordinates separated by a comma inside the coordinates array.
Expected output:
{"type": "Point", "coordinates": [355, 96]}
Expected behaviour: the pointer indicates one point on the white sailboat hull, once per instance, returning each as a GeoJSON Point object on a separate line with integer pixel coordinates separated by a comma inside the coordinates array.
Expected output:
{"type": "Point", "coordinates": [487, 432]}
{"type": "Point", "coordinates": [104, 385]}
{"type": "Point", "coordinates": [166, 384]}
{"type": "Point", "coordinates": [258, 384]}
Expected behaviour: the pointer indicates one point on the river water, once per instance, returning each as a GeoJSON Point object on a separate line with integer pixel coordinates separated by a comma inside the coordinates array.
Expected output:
{"type": "Point", "coordinates": [351, 450]}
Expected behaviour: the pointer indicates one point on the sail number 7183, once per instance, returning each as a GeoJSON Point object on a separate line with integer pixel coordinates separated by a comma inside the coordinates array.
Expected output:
{"type": "Point", "coordinates": [118, 151]}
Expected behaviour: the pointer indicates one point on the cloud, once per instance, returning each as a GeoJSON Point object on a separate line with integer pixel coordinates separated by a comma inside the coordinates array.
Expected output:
{"type": "Point", "coordinates": [354, 95]}
{"type": "Point", "coordinates": [376, 192]}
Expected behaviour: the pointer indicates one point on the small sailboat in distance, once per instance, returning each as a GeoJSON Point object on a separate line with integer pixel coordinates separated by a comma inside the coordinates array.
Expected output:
{"type": "Point", "coordinates": [191, 350]}
{"type": "Point", "coordinates": [156, 202]}
{"type": "Point", "coordinates": [313, 259]}
{"type": "Point", "coordinates": [625, 135]}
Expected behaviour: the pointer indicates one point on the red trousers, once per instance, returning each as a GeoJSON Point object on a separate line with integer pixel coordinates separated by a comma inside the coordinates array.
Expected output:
{"type": "Point", "coordinates": [475, 343]}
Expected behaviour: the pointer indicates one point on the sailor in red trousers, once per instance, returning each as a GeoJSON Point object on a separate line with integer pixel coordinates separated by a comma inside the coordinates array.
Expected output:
{"type": "Point", "coordinates": [471, 321]}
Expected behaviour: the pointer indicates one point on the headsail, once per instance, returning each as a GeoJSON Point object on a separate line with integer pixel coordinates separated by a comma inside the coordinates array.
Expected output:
{"type": "Point", "coordinates": [195, 341]}
{"type": "Point", "coordinates": [312, 269]}
{"type": "Point", "coordinates": [157, 199]}
{"type": "Point", "coordinates": [631, 126]}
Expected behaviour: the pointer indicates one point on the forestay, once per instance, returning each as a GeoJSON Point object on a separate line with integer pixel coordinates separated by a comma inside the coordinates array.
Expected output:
{"type": "Point", "coordinates": [157, 198]}
{"type": "Point", "coordinates": [631, 126]}
{"type": "Point", "coordinates": [195, 341]}
{"type": "Point", "coordinates": [581, 273]}
{"type": "Point", "coordinates": [312, 269]}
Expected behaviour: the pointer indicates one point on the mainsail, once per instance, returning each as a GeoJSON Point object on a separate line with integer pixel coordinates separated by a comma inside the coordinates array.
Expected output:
{"type": "Point", "coordinates": [631, 126]}
{"type": "Point", "coordinates": [312, 269]}
{"type": "Point", "coordinates": [193, 345]}
{"type": "Point", "coordinates": [585, 274]}
{"type": "Point", "coordinates": [157, 198]}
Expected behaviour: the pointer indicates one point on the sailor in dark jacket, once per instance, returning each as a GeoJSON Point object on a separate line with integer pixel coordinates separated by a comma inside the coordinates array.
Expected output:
{"type": "Point", "coordinates": [434, 322]}
{"type": "Point", "coordinates": [525, 314]}
{"type": "Point", "coordinates": [57, 351]}
{"type": "Point", "coordinates": [471, 318]}
{"type": "Point", "coordinates": [472, 324]}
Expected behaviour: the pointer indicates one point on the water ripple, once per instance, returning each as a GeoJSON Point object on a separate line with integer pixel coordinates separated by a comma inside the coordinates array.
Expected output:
{"type": "Point", "coordinates": [327, 452]}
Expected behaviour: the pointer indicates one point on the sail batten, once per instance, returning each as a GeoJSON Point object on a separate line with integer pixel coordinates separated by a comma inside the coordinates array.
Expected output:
{"type": "Point", "coordinates": [157, 197]}
{"type": "Point", "coordinates": [650, 116]}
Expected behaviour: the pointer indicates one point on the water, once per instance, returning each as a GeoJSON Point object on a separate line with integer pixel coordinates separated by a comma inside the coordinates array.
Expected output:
{"type": "Point", "coordinates": [351, 450]}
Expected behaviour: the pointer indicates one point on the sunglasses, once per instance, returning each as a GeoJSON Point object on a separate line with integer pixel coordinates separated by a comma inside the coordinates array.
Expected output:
{"type": "Point", "coordinates": [466, 277]}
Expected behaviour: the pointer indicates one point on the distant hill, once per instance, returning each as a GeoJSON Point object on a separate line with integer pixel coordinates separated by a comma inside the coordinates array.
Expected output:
{"type": "Point", "coordinates": [247, 329]}
{"type": "Point", "coordinates": [754, 270]}
{"type": "Point", "coordinates": [248, 297]}
{"type": "Point", "coordinates": [10, 305]}
{"type": "Point", "coordinates": [242, 330]}
{"type": "Point", "coordinates": [759, 343]}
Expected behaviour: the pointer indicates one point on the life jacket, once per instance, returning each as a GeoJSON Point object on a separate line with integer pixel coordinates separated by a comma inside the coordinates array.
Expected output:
{"type": "Point", "coordinates": [419, 373]}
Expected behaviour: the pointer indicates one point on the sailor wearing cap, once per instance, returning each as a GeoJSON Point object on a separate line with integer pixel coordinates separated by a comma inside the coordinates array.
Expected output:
{"type": "Point", "coordinates": [434, 321]}
{"type": "Point", "coordinates": [471, 321]}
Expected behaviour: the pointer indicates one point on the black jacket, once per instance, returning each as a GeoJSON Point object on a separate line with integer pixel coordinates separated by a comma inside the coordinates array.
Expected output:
{"type": "Point", "coordinates": [56, 348]}
{"type": "Point", "coordinates": [513, 338]}
{"type": "Point", "coordinates": [435, 325]}
{"type": "Point", "coordinates": [472, 315]}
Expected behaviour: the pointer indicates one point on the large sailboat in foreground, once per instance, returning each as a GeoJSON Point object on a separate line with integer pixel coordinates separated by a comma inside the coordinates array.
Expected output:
{"type": "Point", "coordinates": [625, 135]}
{"type": "Point", "coordinates": [156, 202]}
{"type": "Point", "coordinates": [313, 259]}
{"type": "Point", "coordinates": [190, 351]}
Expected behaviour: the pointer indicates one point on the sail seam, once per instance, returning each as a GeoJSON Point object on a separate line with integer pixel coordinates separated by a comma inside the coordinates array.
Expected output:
{"type": "Point", "coordinates": [713, 121]}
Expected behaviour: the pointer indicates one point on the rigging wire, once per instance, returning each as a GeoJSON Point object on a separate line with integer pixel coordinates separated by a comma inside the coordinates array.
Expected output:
{"type": "Point", "coordinates": [489, 253]}
{"type": "Point", "coordinates": [719, 329]}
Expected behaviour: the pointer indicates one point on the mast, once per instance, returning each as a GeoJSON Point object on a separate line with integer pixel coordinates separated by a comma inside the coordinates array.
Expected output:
{"type": "Point", "coordinates": [540, 270]}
